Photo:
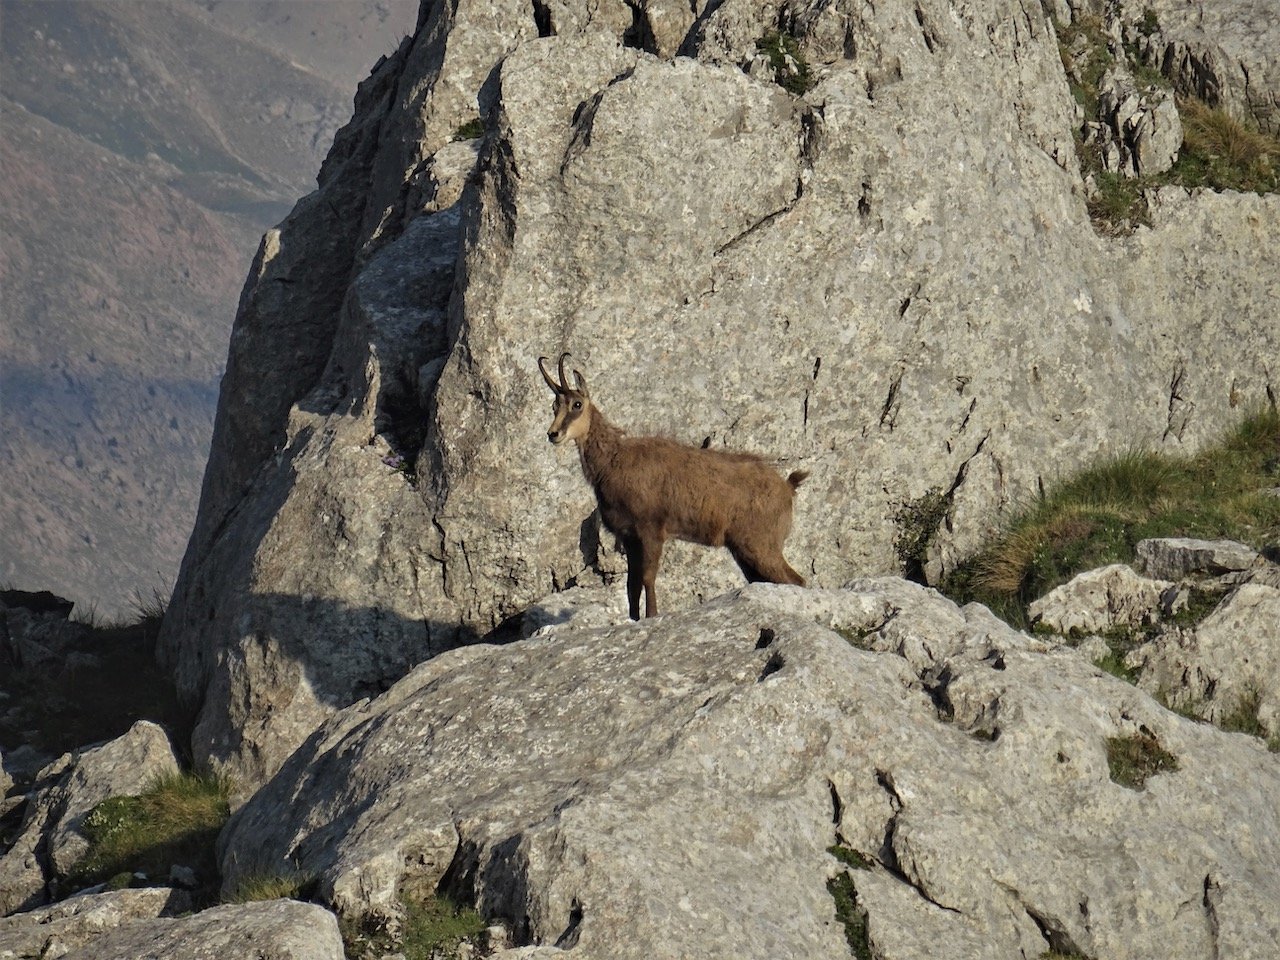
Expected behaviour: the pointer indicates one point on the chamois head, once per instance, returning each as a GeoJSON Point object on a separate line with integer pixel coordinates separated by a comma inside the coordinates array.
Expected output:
{"type": "Point", "coordinates": [571, 413]}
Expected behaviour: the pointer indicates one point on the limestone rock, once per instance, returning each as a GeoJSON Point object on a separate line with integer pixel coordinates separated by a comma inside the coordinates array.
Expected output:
{"type": "Point", "coordinates": [131, 924]}
{"type": "Point", "coordinates": [68, 926]}
{"type": "Point", "coordinates": [1228, 663]}
{"type": "Point", "coordinates": [1098, 600]}
{"type": "Point", "coordinates": [1141, 133]}
{"type": "Point", "coordinates": [841, 281]}
{"type": "Point", "coordinates": [1225, 53]}
{"type": "Point", "coordinates": [670, 789]}
{"type": "Point", "coordinates": [50, 842]}
{"type": "Point", "coordinates": [1173, 558]}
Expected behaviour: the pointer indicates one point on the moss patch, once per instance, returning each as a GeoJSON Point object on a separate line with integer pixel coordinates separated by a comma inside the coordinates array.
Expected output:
{"type": "Point", "coordinates": [790, 68]}
{"type": "Point", "coordinates": [1132, 760]}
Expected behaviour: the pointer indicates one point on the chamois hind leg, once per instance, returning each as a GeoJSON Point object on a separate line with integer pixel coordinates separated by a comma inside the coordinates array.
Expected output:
{"type": "Point", "coordinates": [635, 564]}
{"type": "Point", "coordinates": [651, 556]}
{"type": "Point", "coordinates": [748, 568]}
{"type": "Point", "coordinates": [759, 566]}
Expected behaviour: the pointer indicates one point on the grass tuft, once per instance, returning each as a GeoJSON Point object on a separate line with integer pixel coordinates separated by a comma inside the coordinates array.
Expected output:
{"type": "Point", "coordinates": [849, 856]}
{"type": "Point", "coordinates": [434, 928]}
{"type": "Point", "coordinates": [298, 885]}
{"type": "Point", "coordinates": [175, 821]}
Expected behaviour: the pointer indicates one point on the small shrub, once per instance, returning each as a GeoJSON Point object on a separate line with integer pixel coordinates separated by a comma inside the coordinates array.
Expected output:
{"type": "Point", "coordinates": [918, 522]}
{"type": "Point", "coordinates": [790, 69]}
{"type": "Point", "coordinates": [1133, 759]}
{"type": "Point", "coordinates": [471, 130]}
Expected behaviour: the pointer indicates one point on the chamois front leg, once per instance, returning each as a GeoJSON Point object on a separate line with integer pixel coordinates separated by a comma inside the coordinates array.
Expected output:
{"type": "Point", "coordinates": [644, 553]}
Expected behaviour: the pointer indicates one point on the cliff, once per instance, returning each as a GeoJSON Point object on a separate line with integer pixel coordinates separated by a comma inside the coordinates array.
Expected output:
{"type": "Point", "coordinates": [885, 273]}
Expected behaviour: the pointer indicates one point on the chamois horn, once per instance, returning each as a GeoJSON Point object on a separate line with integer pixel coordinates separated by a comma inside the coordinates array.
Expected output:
{"type": "Point", "coordinates": [561, 387]}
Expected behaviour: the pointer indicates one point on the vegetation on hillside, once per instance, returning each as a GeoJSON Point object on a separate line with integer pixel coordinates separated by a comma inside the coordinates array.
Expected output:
{"type": "Point", "coordinates": [1218, 151]}
{"type": "Point", "coordinates": [1098, 516]}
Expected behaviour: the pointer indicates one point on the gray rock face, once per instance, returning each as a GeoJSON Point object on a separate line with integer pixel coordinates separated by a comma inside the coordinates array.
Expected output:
{"type": "Point", "coordinates": [1143, 132]}
{"type": "Point", "coordinates": [1172, 558]}
{"type": "Point", "coordinates": [132, 924]}
{"type": "Point", "coordinates": [50, 842]}
{"type": "Point", "coordinates": [862, 282]}
{"type": "Point", "coordinates": [71, 925]}
{"type": "Point", "coordinates": [1224, 52]}
{"type": "Point", "coordinates": [1228, 665]}
{"type": "Point", "coordinates": [1098, 600]}
{"type": "Point", "coordinates": [671, 788]}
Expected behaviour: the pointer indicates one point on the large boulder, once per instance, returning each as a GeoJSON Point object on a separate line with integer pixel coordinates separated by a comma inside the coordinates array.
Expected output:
{"type": "Point", "coordinates": [672, 789]}
{"type": "Point", "coordinates": [861, 281]}
{"type": "Point", "coordinates": [49, 841]}
{"type": "Point", "coordinates": [130, 924]}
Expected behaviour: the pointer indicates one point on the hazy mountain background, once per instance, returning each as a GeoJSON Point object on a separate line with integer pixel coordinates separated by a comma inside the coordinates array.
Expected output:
{"type": "Point", "coordinates": [145, 146]}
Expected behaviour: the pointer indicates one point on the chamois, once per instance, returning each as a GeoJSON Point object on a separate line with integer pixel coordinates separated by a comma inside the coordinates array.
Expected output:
{"type": "Point", "coordinates": [651, 489]}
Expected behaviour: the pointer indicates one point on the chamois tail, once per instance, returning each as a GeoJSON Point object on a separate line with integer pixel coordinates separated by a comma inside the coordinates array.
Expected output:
{"type": "Point", "coordinates": [798, 477]}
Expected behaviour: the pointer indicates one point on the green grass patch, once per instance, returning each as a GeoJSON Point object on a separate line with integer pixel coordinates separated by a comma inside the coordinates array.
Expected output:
{"type": "Point", "coordinates": [1097, 517]}
{"type": "Point", "coordinates": [1114, 663]}
{"type": "Point", "coordinates": [861, 637]}
{"type": "Point", "coordinates": [434, 928]}
{"type": "Point", "coordinates": [790, 68]}
{"type": "Point", "coordinates": [1244, 719]}
{"type": "Point", "coordinates": [176, 821]}
{"type": "Point", "coordinates": [849, 916]}
{"type": "Point", "coordinates": [1132, 760]}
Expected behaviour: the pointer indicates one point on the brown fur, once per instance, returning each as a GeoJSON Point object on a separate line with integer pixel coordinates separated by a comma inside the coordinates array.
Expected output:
{"type": "Point", "coordinates": [651, 489]}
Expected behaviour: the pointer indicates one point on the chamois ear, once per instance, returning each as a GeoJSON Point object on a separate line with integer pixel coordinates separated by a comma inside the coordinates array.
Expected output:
{"type": "Point", "coordinates": [582, 383]}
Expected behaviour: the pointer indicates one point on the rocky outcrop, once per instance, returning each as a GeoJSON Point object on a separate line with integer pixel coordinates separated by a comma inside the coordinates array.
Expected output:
{"type": "Point", "coordinates": [1225, 53]}
{"type": "Point", "coordinates": [1209, 638]}
{"type": "Point", "coordinates": [129, 924]}
{"type": "Point", "coordinates": [1140, 133]}
{"type": "Point", "coordinates": [672, 789]}
{"type": "Point", "coordinates": [1100, 600]}
{"type": "Point", "coordinates": [49, 841]}
{"type": "Point", "coordinates": [860, 281]}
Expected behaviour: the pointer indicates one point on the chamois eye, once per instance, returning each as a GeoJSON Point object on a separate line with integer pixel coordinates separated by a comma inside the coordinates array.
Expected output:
{"type": "Point", "coordinates": [577, 404]}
